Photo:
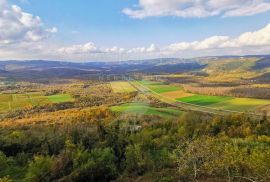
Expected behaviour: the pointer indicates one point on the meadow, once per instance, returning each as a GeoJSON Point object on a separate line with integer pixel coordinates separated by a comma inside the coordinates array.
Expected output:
{"type": "Point", "coordinates": [9, 102]}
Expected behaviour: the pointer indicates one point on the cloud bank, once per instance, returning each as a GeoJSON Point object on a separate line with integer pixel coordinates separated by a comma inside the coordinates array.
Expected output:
{"type": "Point", "coordinates": [248, 39]}
{"type": "Point", "coordinates": [246, 43]}
{"type": "Point", "coordinates": [197, 8]}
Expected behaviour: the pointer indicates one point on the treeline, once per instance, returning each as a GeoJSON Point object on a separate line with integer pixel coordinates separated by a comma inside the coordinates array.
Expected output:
{"type": "Point", "coordinates": [97, 145]}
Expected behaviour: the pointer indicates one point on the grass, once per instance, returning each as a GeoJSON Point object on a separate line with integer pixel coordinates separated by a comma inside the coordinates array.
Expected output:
{"type": "Point", "coordinates": [144, 109]}
{"type": "Point", "coordinates": [203, 100]}
{"type": "Point", "coordinates": [18, 101]}
{"type": "Point", "coordinates": [163, 88]}
{"type": "Point", "coordinates": [241, 104]}
{"type": "Point", "coordinates": [226, 103]}
{"type": "Point", "coordinates": [159, 87]}
{"type": "Point", "coordinates": [147, 82]}
{"type": "Point", "coordinates": [121, 87]}
{"type": "Point", "coordinates": [216, 102]}
{"type": "Point", "coordinates": [60, 98]}
{"type": "Point", "coordinates": [176, 94]}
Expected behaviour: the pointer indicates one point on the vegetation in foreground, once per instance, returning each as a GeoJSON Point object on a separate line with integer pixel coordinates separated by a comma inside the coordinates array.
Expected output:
{"type": "Point", "coordinates": [97, 145]}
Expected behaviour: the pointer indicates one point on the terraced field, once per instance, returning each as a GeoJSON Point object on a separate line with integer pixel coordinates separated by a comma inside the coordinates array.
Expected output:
{"type": "Point", "coordinates": [18, 101]}
{"type": "Point", "coordinates": [120, 87]}
{"type": "Point", "coordinates": [144, 109]}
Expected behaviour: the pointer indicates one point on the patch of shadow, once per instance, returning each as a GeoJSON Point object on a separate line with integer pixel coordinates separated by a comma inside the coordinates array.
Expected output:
{"type": "Point", "coordinates": [261, 64]}
{"type": "Point", "coordinates": [263, 79]}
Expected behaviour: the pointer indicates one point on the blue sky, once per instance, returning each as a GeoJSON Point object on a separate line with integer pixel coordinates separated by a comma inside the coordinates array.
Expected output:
{"type": "Point", "coordinates": [137, 28]}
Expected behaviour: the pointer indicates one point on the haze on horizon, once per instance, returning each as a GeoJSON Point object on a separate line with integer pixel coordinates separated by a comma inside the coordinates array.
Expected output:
{"type": "Point", "coordinates": [132, 29]}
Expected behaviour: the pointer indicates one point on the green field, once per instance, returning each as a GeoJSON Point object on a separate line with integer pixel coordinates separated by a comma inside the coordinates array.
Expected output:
{"type": "Point", "coordinates": [121, 87]}
{"type": "Point", "coordinates": [144, 109]}
{"type": "Point", "coordinates": [159, 87]}
{"type": "Point", "coordinates": [241, 104]}
{"type": "Point", "coordinates": [204, 100]}
{"type": "Point", "coordinates": [225, 103]}
{"type": "Point", "coordinates": [60, 98]}
{"type": "Point", "coordinates": [10, 102]}
{"type": "Point", "coordinates": [147, 82]}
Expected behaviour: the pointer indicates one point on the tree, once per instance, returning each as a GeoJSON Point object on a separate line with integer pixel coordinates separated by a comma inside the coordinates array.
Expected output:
{"type": "Point", "coordinates": [95, 165]}
{"type": "Point", "coordinates": [39, 169]}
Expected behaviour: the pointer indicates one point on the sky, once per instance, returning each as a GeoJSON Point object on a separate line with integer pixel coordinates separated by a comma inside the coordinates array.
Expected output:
{"type": "Point", "coordinates": [116, 30]}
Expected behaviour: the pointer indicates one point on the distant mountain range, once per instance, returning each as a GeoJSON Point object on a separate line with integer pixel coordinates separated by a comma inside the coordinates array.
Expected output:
{"type": "Point", "coordinates": [38, 69]}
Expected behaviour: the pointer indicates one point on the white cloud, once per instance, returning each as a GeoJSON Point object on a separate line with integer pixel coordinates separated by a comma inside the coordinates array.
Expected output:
{"type": "Point", "coordinates": [21, 34]}
{"type": "Point", "coordinates": [258, 38]}
{"type": "Point", "coordinates": [79, 49]}
{"type": "Point", "coordinates": [91, 48]}
{"type": "Point", "coordinates": [114, 49]}
{"type": "Point", "coordinates": [52, 30]}
{"type": "Point", "coordinates": [208, 43]}
{"type": "Point", "coordinates": [88, 48]}
{"type": "Point", "coordinates": [257, 42]}
{"type": "Point", "coordinates": [151, 49]}
{"type": "Point", "coordinates": [17, 26]}
{"type": "Point", "coordinates": [197, 8]}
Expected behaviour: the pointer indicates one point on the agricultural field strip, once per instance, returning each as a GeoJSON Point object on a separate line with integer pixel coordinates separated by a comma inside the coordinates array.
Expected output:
{"type": "Point", "coordinates": [194, 105]}
{"type": "Point", "coordinates": [119, 87]}
{"type": "Point", "coordinates": [211, 108]}
{"type": "Point", "coordinates": [16, 101]}
{"type": "Point", "coordinates": [204, 100]}
{"type": "Point", "coordinates": [142, 108]}
{"type": "Point", "coordinates": [218, 100]}
{"type": "Point", "coordinates": [166, 99]}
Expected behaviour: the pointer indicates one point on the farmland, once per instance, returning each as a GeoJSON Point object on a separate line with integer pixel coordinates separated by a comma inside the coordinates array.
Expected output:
{"type": "Point", "coordinates": [215, 102]}
{"type": "Point", "coordinates": [203, 100]}
{"type": "Point", "coordinates": [241, 104]}
{"type": "Point", "coordinates": [176, 94]}
{"type": "Point", "coordinates": [145, 109]}
{"type": "Point", "coordinates": [159, 87]}
{"type": "Point", "coordinates": [10, 102]}
{"type": "Point", "coordinates": [120, 87]}
{"type": "Point", "coordinates": [60, 98]}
